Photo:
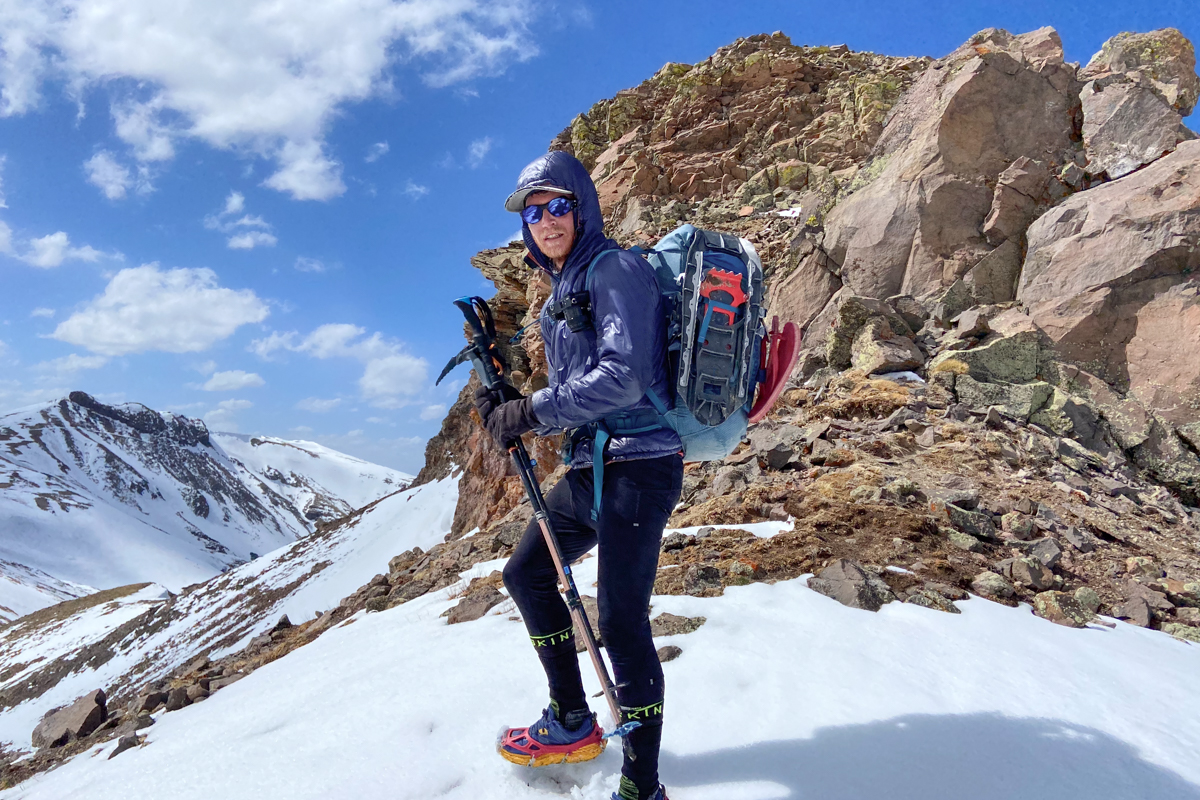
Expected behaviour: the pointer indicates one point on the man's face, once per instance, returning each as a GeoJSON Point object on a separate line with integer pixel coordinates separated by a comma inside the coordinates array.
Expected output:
{"type": "Point", "coordinates": [555, 236]}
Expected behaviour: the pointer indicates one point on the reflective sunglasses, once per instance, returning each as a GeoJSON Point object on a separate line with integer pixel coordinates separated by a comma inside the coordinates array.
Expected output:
{"type": "Point", "coordinates": [558, 207]}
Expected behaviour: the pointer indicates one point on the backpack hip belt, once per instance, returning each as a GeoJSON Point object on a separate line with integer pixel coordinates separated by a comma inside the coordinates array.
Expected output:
{"type": "Point", "coordinates": [626, 423]}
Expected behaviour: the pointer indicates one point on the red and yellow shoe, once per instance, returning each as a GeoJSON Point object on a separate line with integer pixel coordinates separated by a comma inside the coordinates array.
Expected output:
{"type": "Point", "coordinates": [548, 742]}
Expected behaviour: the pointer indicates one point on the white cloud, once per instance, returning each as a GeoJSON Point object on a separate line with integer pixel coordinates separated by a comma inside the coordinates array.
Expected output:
{"type": "Point", "coordinates": [477, 151]}
{"type": "Point", "coordinates": [376, 152]}
{"type": "Point", "coordinates": [247, 231]}
{"type": "Point", "coordinates": [435, 411]}
{"type": "Point", "coordinates": [42, 312]}
{"type": "Point", "coordinates": [222, 417]}
{"type": "Point", "coordinates": [390, 375]}
{"type": "Point", "coordinates": [251, 240]}
{"type": "Point", "coordinates": [264, 76]}
{"type": "Point", "coordinates": [234, 204]}
{"type": "Point", "coordinates": [6, 243]}
{"type": "Point", "coordinates": [71, 364]}
{"type": "Point", "coordinates": [306, 172]}
{"type": "Point", "coordinates": [138, 125]}
{"type": "Point", "coordinates": [206, 368]}
{"type": "Point", "coordinates": [146, 308]}
{"type": "Point", "coordinates": [114, 179]}
{"type": "Point", "coordinates": [268, 347]}
{"type": "Point", "coordinates": [232, 381]}
{"type": "Point", "coordinates": [51, 251]}
{"type": "Point", "coordinates": [386, 381]}
{"type": "Point", "coordinates": [2, 160]}
{"type": "Point", "coordinates": [304, 264]}
{"type": "Point", "coordinates": [317, 405]}
{"type": "Point", "coordinates": [415, 191]}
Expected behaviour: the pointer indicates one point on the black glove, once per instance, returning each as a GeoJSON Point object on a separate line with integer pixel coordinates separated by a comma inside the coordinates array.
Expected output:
{"type": "Point", "coordinates": [509, 420]}
{"type": "Point", "coordinates": [486, 400]}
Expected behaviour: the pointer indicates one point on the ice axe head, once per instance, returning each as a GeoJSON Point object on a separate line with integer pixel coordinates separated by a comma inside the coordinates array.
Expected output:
{"type": "Point", "coordinates": [481, 350]}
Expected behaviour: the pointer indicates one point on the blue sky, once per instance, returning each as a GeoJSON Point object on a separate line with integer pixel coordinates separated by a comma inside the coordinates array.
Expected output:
{"type": "Point", "coordinates": [258, 213]}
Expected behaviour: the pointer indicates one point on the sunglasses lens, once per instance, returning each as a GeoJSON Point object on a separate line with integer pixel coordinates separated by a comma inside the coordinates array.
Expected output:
{"type": "Point", "coordinates": [560, 206]}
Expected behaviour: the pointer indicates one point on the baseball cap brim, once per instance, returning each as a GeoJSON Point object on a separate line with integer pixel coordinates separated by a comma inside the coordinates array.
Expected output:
{"type": "Point", "coordinates": [516, 200]}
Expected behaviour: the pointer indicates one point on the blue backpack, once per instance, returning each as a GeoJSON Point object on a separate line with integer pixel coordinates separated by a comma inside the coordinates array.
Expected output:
{"type": "Point", "coordinates": [712, 288]}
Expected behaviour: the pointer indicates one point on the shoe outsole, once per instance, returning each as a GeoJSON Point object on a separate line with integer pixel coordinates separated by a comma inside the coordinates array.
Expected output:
{"type": "Point", "coordinates": [586, 753]}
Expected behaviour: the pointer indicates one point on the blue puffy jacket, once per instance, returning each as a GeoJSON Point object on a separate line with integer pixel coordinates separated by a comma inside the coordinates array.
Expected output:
{"type": "Point", "coordinates": [608, 367]}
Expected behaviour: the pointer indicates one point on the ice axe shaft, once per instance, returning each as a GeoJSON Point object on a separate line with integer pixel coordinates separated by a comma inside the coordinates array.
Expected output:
{"type": "Point", "coordinates": [489, 365]}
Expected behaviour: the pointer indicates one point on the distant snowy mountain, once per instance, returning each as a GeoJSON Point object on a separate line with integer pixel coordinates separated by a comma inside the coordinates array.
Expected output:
{"type": "Point", "coordinates": [95, 496]}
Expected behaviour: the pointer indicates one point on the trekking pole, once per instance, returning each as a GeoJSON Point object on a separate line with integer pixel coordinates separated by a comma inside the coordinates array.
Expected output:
{"type": "Point", "coordinates": [489, 365]}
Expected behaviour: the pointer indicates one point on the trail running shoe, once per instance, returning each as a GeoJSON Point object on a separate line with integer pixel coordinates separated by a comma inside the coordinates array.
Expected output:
{"type": "Point", "coordinates": [548, 741]}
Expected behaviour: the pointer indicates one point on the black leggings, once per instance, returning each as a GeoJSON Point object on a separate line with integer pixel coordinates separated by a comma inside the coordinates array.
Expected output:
{"type": "Point", "coordinates": [637, 501]}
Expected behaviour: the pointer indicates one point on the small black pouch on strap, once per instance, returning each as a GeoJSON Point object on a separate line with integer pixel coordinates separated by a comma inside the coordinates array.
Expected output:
{"type": "Point", "coordinates": [575, 308]}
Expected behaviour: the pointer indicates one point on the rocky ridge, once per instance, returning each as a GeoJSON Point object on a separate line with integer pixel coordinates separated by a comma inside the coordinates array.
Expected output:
{"type": "Point", "coordinates": [951, 227]}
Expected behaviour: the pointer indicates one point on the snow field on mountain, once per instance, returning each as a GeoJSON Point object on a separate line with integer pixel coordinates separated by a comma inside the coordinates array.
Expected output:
{"type": "Point", "coordinates": [89, 500]}
{"type": "Point", "coordinates": [351, 479]}
{"type": "Point", "coordinates": [353, 554]}
{"type": "Point", "coordinates": [24, 590]}
{"type": "Point", "coordinates": [783, 693]}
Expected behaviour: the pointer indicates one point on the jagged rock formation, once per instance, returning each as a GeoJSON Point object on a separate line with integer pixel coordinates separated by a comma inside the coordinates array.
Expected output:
{"type": "Point", "coordinates": [955, 217]}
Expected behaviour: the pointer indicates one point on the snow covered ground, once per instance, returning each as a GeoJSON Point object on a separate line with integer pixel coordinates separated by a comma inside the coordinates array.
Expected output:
{"type": "Point", "coordinates": [301, 580]}
{"type": "Point", "coordinates": [783, 693]}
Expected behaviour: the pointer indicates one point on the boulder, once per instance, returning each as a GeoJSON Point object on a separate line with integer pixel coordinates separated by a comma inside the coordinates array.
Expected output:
{"type": "Point", "coordinates": [177, 698]}
{"type": "Point", "coordinates": [75, 721]}
{"type": "Point", "coordinates": [1021, 191]}
{"type": "Point", "coordinates": [915, 227]}
{"type": "Point", "coordinates": [669, 653]}
{"type": "Point", "coordinates": [673, 625]}
{"type": "Point", "coordinates": [1181, 631]}
{"type": "Point", "coordinates": [1062, 609]}
{"type": "Point", "coordinates": [1136, 611]}
{"type": "Point", "coordinates": [1126, 126]}
{"type": "Point", "coordinates": [927, 598]}
{"type": "Point", "coordinates": [876, 349]}
{"type": "Point", "coordinates": [1108, 278]}
{"type": "Point", "coordinates": [1016, 400]}
{"type": "Point", "coordinates": [851, 585]}
{"type": "Point", "coordinates": [989, 584]}
{"type": "Point", "coordinates": [1005, 359]}
{"type": "Point", "coordinates": [125, 743]}
{"type": "Point", "coordinates": [1032, 574]}
{"type": "Point", "coordinates": [475, 604]}
{"type": "Point", "coordinates": [701, 580]}
{"type": "Point", "coordinates": [1162, 60]}
{"type": "Point", "coordinates": [850, 314]}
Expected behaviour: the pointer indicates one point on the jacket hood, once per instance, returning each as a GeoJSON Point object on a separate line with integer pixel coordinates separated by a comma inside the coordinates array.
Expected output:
{"type": "Point", "coordinates": [563, 170]}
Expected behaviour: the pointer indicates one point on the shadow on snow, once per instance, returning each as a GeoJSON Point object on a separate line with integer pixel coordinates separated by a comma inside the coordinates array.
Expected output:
{"type": "Point", "coordinates": [940, 757]}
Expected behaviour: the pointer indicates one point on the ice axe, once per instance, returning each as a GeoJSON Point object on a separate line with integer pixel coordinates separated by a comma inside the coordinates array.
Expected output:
{"type": "Point", "coordinates": [490, 366]}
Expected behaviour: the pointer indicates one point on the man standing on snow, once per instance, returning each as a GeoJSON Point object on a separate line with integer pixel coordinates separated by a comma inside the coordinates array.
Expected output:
{"type": "Point", "coordinates": [605, 338]}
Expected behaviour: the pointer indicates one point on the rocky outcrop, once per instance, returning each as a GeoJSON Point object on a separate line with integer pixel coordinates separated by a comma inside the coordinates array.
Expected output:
{"type": "Point", "coordinates": [76, 721]}
{"type": "Point", "coordinates": [913, 220]}
{"type": "Point", "coordinates": [1139, 88]}
{"type": "Point", "coordinates": [1108, 278]}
